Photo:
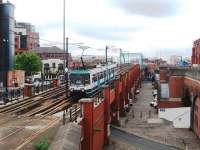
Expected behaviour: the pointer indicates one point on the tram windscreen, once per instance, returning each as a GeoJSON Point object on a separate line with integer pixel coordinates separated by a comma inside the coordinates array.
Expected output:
{"type": "Point", "coordinates": [80, 79]}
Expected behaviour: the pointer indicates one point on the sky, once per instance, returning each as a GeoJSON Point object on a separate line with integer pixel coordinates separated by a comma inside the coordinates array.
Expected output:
{"type": "Point", "coordinates": [157, 28]}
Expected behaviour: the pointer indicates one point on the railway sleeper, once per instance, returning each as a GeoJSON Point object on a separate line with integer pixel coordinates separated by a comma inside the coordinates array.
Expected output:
{"type": "Point", "coordinates": [22, 105]}
{"type": "Point", "coordinates": [29, 98]}
{"type": "Point", "coordinates": [27, 108]}
{"type": "Point", "coordinates": [55, 107]}
{"type": "Point", "coordinates": [43, 109]}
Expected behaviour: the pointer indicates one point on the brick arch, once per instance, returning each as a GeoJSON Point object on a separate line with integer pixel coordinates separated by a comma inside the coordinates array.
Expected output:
{"type": "Point", "coordinates": [196, 91]}
{"type": "Point", "coordinates": [186, 97]}
{"type": "Point", "coordinates": [193, 110]}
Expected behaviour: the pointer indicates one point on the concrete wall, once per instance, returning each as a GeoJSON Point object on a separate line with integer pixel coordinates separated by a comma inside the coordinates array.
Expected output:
{"type": "Point", "coordinates": [164, 90]}
{"type": "Point", "coordinates": [179, 116]}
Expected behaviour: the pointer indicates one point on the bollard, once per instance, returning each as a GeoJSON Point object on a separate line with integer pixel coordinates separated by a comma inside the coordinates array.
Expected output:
{"type": "Point", "coordinates": [76, 113]}
{"type": "Point", "coordinates": [11, 96]}
{"type": "Point", "coordinates": [186, 147]}
{"type": "Point", "coordinates": [133, 114]}
{"type": "Point", "coordinates": [165, 140]}
{"type": "Point", "coordinates": [23, 93]}
{"type": "Point", "coordinates": [70, 113]}
{"type": "Point", "coordinates": [149, 113]}
{"type": "Point", "coordinates": [81, 115]}
{"type": "Point", "coordinates": [63, 117]}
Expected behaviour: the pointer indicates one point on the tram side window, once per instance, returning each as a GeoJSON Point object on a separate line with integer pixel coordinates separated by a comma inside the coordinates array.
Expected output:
{"type": "Point", "coordinates": [109, 72]}
{"type": "Point", "coordinates": [104, 74]}
{"type": "Point", "coordinates": [86, 79]}
{"type": "Point", "coordinates": [94, 78]}
{"type": "Point", "coordinates": [101, 75]}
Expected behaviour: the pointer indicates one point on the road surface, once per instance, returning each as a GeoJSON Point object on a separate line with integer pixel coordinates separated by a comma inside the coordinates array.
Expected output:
{"type": "Point", "coordinates": [142, 143]}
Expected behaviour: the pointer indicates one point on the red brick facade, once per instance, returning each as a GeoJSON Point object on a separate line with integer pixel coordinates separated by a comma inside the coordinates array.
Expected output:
{"type": "Point", "coordinates": [170, 104]}
{"type": "Point", "coordinates": [197, 117]}
{"type": "Point", "coordinates": [175, 86]}
{"type": "Point", "coordinates": [163, 74]}
{"type": "Point", "coordinates": [196, 52]}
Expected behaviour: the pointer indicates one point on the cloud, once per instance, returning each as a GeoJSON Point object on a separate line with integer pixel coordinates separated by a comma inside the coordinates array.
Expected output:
{"type": "Point", "coordinates": [149, 8]}
{"type": "Point", "coordinates": [102, 32]}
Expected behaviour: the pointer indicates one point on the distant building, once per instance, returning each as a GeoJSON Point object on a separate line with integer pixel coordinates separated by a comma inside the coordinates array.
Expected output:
{"type": "Point", "coordinates": [136, 58]}
{"type": "Point", "coordinates": [52, 59]}
{"type": "Point", "coordinates": [175, 59]}
{"type": "Point", "coordinates": [26, 38]}
{"type": "Point", "coordinates": [53, 52]}
{"type": "Point", "coordinates": [196, 52]}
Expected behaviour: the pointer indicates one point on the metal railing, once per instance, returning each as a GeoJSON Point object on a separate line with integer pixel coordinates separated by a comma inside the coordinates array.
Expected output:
{"type": "Point", "coordinates": [193, 73]}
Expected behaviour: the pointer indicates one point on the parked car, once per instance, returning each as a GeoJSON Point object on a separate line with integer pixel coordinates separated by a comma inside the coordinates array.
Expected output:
{"type": "Point", "coordinates": [155, 92]}
{"type": "Point", "coordinates": [154, 103]}
{"type": "Point", "coordinates": [61, 79]}
{"type": "Point", "coordinates": [37, 82]}
{"type": "Point", "coordinates": [155, 97]}
{"type": "Point", "coordinates": [137, 91]}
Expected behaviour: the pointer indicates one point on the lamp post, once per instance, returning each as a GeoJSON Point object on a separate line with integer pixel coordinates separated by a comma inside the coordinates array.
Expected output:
{"type": "Point", "coordinates": [66, 67]}
{"type": "Point", "coordinates": [65, 48]}
{"type": "Point", "coordinates": [64, 31]}
{"type": "Point", "coordinates": [106, 54]}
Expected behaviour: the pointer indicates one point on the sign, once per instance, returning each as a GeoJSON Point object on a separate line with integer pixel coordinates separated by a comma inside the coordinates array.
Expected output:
{"type": "Point", "coordinates": [162, 109]}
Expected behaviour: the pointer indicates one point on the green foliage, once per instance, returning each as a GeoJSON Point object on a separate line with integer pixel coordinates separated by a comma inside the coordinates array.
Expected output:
{"type": "Point", "coordinates": [41, 144]}
{"type": "Point", "coordinates": [30, 62]}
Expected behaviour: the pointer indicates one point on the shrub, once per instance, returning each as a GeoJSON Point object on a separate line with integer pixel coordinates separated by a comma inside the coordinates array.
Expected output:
{"type": "Point", "coordinates": [41, 144]}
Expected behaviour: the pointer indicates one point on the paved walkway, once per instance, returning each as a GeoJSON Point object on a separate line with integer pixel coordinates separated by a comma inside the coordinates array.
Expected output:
{"type": "Point", "coordinates": [158, 130]}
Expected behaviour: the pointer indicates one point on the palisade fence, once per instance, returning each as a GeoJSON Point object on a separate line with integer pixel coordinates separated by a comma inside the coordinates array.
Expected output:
{"type": "Point", "coordinates": [16, 93]}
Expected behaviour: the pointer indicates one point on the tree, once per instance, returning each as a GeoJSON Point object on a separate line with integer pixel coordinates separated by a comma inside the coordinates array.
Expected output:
{"type": "Point", "coordinates": [30, 62]}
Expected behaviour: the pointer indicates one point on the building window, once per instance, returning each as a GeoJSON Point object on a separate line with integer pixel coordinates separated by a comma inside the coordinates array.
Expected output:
{"type": "Point", "coordinates": [54, 65]}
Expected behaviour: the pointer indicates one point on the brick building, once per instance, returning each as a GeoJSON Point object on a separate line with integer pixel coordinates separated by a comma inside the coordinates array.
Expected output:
{"type": "Point", "coordinates": [196, 52]}
{"type": "Point", "coordinates": [53, 52]}
{"type": "Point", "coordinates": [26, 38]}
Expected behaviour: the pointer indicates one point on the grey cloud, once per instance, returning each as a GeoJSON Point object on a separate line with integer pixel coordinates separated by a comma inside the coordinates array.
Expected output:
{"type": "Point", "coordinates": [150, 8]}
{"type": "Point", "coordinates": [115, 33]}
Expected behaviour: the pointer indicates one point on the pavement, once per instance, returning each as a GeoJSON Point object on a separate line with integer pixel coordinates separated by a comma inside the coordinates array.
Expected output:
{"type": "Point", "coordinates": [143, 124]}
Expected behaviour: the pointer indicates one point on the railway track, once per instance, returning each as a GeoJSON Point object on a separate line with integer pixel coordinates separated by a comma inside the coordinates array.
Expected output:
{"type": "Point", "coordinates": [30, 98]}
{"type": "Point", "coordinates": [54, 97]}
{"type": "Point", "coordinates": [74, 112]}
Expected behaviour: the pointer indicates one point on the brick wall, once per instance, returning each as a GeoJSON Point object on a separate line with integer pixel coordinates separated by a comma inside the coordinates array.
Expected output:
{"type": "Point", "coordinates": [196, 52]}
{"type": "Point", "coordinates": [197, 117]}
{"type": "Point", "coordinates": [176, 86]}
{"type": "Point", "coordinates": [170, 104]}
